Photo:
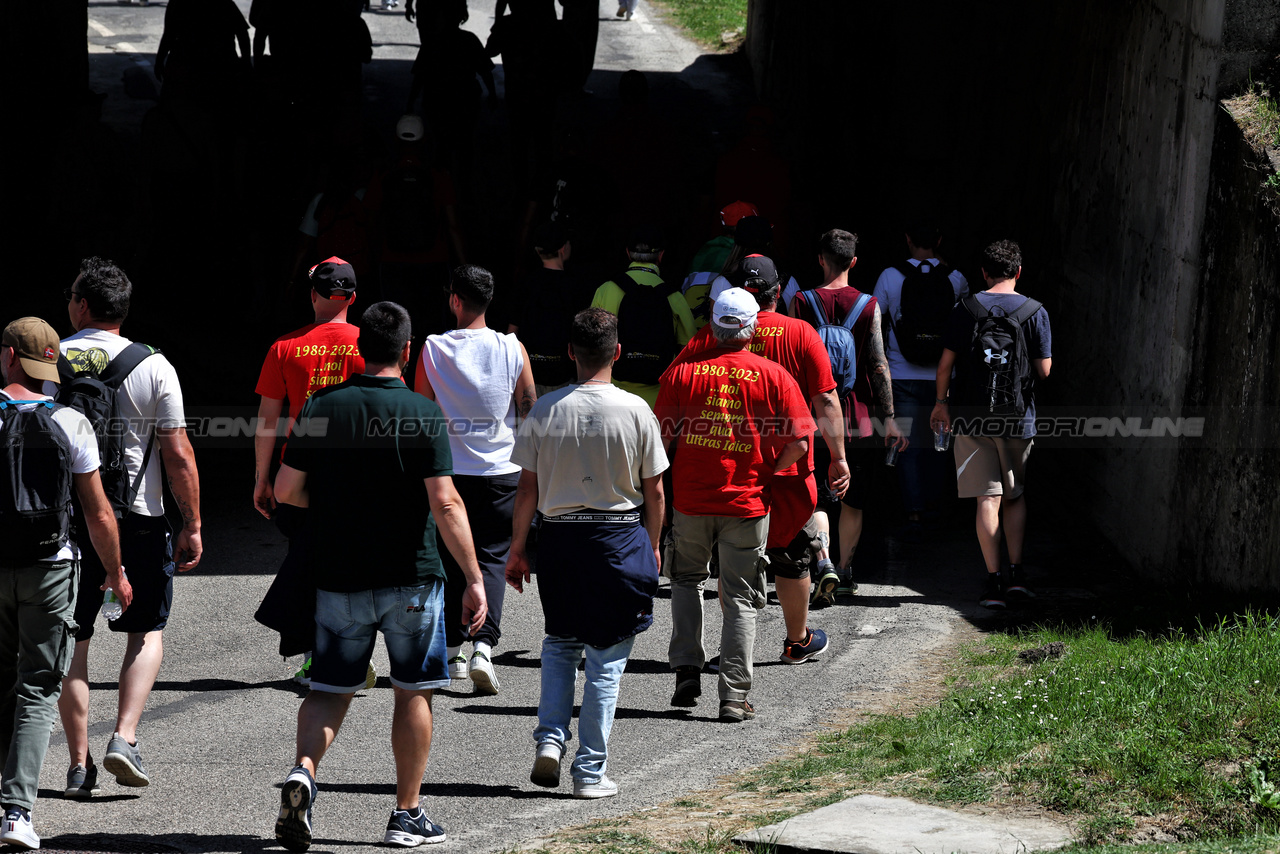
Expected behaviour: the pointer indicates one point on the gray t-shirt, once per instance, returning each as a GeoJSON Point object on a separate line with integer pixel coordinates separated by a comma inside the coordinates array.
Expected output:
{"type": "Point", "coordinates": [590, 445]}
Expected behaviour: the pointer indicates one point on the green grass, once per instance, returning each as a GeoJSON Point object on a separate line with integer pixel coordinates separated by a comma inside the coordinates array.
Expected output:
{"type": "Point", "coordinates": [1265, 844]}
{"type": "Point", "coordinates": [708, 20]}
{"type": "Point", "coordinates": [1116, 732]}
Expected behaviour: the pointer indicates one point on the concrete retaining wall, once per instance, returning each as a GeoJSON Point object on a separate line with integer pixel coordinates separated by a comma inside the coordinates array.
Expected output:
{"type": "Point", "coordinates": [1086, 131]}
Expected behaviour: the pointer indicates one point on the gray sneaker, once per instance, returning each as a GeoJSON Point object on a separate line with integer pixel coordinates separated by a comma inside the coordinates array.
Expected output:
{"type": "Point", "coordinates": [82, 782]}
{"type": "Point", "coordinates": [124, 760]}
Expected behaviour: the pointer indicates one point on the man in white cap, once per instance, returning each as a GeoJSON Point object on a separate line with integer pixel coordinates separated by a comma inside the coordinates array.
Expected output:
{"type": "Point", "coordinates": [738, 420]}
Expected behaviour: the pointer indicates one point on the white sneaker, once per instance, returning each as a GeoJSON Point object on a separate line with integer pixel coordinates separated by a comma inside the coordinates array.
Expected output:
{"type": "Point", "coordinates": [17, 829]}
{"type": "Point", "coordinates": [602, 788]}
{"type": "Point", "coordinates": [546, 765]}
{"type": "Point", "coordinates": [482, 674]}
{"type": "Point", "coordinates": [458, 667]}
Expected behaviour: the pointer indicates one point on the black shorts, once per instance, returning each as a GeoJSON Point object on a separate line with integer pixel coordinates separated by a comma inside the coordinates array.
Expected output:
{"type": "Point", "coordinates": [146, 550]}
{"type": "Point", "coordinates": [800, 554]}
{"type": "Point", "coordinates": [861, 456]}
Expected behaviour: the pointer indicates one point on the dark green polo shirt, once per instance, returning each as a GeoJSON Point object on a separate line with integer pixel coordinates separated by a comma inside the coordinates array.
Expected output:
{"type": "Point", "coordinates": [366, 446]}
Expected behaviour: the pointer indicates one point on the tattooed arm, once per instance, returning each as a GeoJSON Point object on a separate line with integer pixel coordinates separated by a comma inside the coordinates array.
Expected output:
{"type": "Point", "coordinates": [525, 395]}
{"type": "Point", "coordinates": [882, 383]}
{"type": "Point", "coordinates": [184, 482]}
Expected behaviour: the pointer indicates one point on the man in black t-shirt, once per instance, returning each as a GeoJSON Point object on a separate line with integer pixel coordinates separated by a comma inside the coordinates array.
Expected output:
{"type": "Point", "coordinates": [371, 461]}
{"type": "Point", "coordinates": [990, 464]}
{"type": "Point", "coordinates": [549, 299]}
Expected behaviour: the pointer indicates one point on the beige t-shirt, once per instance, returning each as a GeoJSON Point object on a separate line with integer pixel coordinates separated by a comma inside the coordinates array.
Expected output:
{"type": "Point", "coordinates": [590, 445]}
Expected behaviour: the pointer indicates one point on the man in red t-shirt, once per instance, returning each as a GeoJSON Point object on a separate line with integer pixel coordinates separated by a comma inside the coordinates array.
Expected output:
{"type": "Point", "coordinates": [797, 535]}
{"type": "Point", "coordinates": [322, 354]}
{"type": "Point", "coordinates": [738, 420]}
{"type": "Point", "coordinates": [837, 254]}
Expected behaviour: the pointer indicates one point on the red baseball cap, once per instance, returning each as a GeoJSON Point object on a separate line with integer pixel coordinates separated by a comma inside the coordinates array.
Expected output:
{"type": "Point", "coordinates": [734, 211]}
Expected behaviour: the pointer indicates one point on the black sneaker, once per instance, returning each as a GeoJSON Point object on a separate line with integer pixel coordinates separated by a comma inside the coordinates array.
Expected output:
{"type": "Point", "coordinates": [993, 591]}
{"type": "Point", "coordinates": [688, 686]}
{"type": "Point", "coordinates": [825, 581]}
{"type": "Point", "coordinates": [847, 586]}
{"type": "Point", "coordinates": [1018, 582]}
{"type": "Point", "coordinates": [297, 797]}
{"type": "Point", "coordinates": [409, 829]}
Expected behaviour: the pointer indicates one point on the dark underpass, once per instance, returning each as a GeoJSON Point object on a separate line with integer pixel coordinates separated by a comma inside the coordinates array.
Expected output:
{"type": "Point", "coordinates": [1094, 133]}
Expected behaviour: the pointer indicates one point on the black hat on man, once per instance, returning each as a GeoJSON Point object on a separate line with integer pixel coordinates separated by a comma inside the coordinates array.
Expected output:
{"type": "Point", "coordinates": [758, 274]}
{"type": "Point", "coordinates": [333, 278]}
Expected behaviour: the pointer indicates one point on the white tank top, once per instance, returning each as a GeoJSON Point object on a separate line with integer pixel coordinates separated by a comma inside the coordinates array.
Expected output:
{"type": "Point", "coordinates": [474, 374]}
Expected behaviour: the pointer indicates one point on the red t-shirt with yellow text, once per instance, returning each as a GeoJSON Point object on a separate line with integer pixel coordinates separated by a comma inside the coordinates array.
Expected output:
{"type": "Point", "coordinates": [791, 343]}
{"type": "Point", "coordinates": [309, 359]}
{"type": "Point", "coordinates": [732, 413]}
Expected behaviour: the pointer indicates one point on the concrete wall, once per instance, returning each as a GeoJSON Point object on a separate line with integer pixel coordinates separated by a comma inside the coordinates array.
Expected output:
{"type": "Point", "coordinates": [1228, 495]}
{"type": "Point", "coordinates": [1086, 131]}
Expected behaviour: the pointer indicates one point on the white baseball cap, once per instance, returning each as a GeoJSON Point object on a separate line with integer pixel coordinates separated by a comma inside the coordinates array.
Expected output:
{"type": "Point", "coordinates": [734, 309]}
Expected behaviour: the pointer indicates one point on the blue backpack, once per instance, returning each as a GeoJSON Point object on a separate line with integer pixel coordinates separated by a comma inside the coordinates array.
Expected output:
{"type": "Point", "coordinates": [842, 347]}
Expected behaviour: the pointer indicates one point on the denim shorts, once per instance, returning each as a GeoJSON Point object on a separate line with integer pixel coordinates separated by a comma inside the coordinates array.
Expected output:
{"type": "Point", "coordinates": [411, 620]}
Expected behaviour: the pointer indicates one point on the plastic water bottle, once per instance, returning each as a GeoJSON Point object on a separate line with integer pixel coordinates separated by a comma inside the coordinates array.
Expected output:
{"type": "Point", "coordinates": [111, 608]}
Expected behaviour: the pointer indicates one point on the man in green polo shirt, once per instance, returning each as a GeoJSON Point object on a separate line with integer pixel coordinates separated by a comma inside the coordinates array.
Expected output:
{"type": "Point", "coordinates": [371, 461]}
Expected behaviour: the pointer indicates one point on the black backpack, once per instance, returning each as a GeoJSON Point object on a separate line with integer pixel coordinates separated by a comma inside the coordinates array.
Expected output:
{"type": "Point", "coordinates": [994, 378]}
{"type": "Point", "coordinates": [924, 307]}
{"type": "Point", "coordinates": [35, 483]}
{"type": "Point", "coordinates": [645, 331]}
{"type": "Point", "coordinates": [95, 394]}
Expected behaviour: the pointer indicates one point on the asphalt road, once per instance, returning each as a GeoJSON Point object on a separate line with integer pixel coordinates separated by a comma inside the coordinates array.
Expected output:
{"type": "Point", "coordinates": [217, 735]}
{"type": "Point", "coordinates": [218, 732]}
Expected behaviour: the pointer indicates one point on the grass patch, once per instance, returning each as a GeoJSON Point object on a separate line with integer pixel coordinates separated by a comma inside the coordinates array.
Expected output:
{"type": "Point", "coordinates": [1257, 112]}
{"type": "Point", "coordinates": [718, 24]}
{"type": "Point", "coordinates": [1120, 734]}
{"type": "Point", "coordinates": [1266, 844]}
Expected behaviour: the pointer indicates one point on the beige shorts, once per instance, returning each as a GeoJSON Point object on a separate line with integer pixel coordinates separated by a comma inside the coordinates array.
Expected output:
{"type": "Point", "coordinates": [987, 465]}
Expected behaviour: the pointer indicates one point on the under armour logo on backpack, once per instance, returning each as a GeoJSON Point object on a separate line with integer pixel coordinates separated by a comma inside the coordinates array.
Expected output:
{"type": "Point", "coordinates": [999, 358]}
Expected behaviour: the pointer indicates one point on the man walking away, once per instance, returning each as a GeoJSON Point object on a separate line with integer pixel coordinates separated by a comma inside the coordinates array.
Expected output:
{"type": "Point", "coordinates": [481, 379]}
{"type": "Point", "coordinates": [380, 571]}
{"type": "Point", "coordinates": [654, 321]}
{"type": "Point", "coordinates": [592, 463]}
{"type": "Point", "coordinates": [739, 420]}
{"type": "Point", "coordinates": [298, 364]}
{"type": "Point", "coordinates": [49, 452]}
{"type": "Point", "coordinates": [916, 297]}
{"type": "Point", "coordinates": [837, 303]}
{"type": "Point", "coordinates": [1000, 344]}
{"type": "Point", "coordinates": [549, 298]}
{"type": "Point", "coordinates": [156, 450]}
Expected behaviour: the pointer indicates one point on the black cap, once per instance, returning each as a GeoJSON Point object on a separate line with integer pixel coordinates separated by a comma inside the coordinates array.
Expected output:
{"type": "Point", "coordinates": [758, 273]}
{"type": "Point", "coordinates": [646, 238]}
{"type": "Point", "coordinates": [333, 278]}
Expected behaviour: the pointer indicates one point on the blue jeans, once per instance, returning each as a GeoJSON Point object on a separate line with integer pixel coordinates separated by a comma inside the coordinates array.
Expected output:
{"type": "Point", "coordinates": [560, 657]}
{"type": "Point", "coordinates": [411, 620]}
{"type": "Point", "coordinates": [922, 471]}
